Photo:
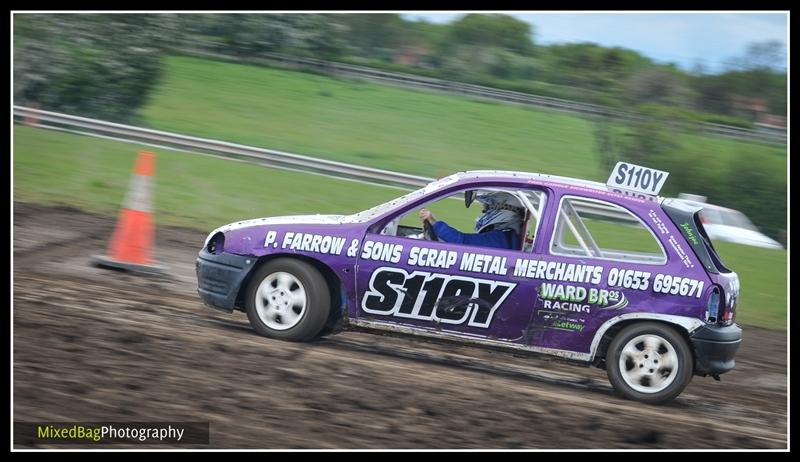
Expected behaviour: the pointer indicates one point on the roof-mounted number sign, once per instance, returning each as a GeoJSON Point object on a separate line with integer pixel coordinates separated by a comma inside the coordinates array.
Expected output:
{"type": "Point", "coordinates": [636, 178]}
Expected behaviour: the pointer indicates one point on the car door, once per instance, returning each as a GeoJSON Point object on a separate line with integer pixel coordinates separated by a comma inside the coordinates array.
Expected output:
{"type": "Point", "coordinates": [442, 287]}
{"type": "Point", "coordinates": [599, 262]}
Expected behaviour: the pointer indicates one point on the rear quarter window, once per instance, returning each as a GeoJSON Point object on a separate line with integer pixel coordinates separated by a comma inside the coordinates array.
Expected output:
{"type": "Point", "coordinates": [599, 229]}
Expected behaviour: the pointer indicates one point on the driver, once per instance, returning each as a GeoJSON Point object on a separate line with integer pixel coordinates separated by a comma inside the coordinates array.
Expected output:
{"type": "Point", "coordinates": [499, 225]}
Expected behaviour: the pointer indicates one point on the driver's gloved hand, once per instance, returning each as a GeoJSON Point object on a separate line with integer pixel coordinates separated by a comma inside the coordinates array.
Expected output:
{"type": "Point", "coordinates": [427, 215]}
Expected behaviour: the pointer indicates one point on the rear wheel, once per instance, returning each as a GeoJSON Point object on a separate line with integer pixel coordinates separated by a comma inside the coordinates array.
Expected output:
{"type": "Point", "coordinates": [288, 299]}
{"type": "Point", "coordinates": [649, 362]}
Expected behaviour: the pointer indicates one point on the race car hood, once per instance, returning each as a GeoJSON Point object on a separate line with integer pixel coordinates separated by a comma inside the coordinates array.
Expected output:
{"type": "Point", "coordinates": [284, 220]}
{"type": "Point", "coordinates": [310, 235]}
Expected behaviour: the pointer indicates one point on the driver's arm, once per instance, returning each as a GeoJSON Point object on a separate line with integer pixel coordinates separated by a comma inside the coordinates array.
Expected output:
{"type": "Point", "coordinates": [496, 238]}
{"type": "Point", "coordinates": [443, 231]}
{"type": "Point", "coordinates": [447, 233]}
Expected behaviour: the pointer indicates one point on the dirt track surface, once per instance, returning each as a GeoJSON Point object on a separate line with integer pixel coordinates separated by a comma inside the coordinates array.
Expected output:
{"type": "Point", "coordinates": [99, 345]}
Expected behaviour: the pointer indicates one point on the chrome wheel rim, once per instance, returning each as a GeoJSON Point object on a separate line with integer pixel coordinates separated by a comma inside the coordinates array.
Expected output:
{"type": "Point", "coordinates": [648, 363]}
{"type": "Point", "coordinates": [281, 301]}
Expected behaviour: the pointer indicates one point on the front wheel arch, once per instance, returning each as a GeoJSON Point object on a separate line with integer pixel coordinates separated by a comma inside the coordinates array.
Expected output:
{"type": "Point", "coordinates": [333, 298]}
{"type": "Point", "coordinates": [335, 286]}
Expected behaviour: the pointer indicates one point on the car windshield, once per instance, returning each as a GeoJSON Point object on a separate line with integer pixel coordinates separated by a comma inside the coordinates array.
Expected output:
{"type": "Point", "coordinates": [380, 209]}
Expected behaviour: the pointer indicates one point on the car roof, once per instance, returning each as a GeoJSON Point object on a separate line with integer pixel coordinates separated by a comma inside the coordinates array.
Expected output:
{"type": "Point", "coordinates": [514, 175]}
{"type": "Point", "coordinates": [500, 176]}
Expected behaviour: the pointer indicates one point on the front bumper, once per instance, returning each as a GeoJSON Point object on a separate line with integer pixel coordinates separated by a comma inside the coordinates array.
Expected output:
{"type": "Point", "coordinates": [220, 277]}
{"type": "Point", "coordinates": [715, 348]}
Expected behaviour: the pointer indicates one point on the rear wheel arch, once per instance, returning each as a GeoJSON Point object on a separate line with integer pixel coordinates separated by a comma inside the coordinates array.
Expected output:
{"type": "Point", "coordinates": [601, 351]}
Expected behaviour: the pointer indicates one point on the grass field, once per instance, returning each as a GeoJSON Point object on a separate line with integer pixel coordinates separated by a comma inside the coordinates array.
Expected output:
{"type": "Point", "coordinates": [412, 131]}
{"type": "Point", "coordinates": [363, 123]}
{"type": "Point", "coordinates": [191, 190]}
{"type": "Point", "coordinates": [205, 192]}
{"type": "Point", "coordinates": [763, 278]}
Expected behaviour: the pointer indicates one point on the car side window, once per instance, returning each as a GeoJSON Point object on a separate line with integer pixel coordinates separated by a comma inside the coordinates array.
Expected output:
{"type": "Point", "coordinates": [598, 229]}
{"type": "Point", "coordinates": [451, 209]}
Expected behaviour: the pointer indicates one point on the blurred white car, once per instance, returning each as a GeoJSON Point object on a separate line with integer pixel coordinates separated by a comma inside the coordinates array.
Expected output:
{"type": "Point", "coordinates": [724, 224]}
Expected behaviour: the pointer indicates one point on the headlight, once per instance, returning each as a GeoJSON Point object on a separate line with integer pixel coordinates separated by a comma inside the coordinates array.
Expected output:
{"type": "Point", "coordinates": [216, 243]}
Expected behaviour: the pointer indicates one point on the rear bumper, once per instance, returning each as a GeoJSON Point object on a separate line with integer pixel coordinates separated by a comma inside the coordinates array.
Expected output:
{"type": "Point", "coordinates": [220, 278]}
{"type": "Point", "coordinates": [715, 348]}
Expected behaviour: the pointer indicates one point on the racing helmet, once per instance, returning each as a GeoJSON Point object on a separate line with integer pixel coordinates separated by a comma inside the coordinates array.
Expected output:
{"type": "Point", "coordinates": [501, 210]}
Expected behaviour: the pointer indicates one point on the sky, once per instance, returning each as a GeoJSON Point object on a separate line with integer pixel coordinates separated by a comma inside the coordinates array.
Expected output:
{"type": "Point", "coordinates": [686, 39]}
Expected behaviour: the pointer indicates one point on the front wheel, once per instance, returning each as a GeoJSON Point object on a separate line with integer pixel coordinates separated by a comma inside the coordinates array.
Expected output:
{"type": "Point", "coordinates": [288, 299]}
{"type": "Point", "coordinates": [649, 362]}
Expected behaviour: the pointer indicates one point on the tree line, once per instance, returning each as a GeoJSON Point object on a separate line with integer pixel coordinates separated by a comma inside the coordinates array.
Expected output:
{"type": "Point", "coordinates": [83, 50]}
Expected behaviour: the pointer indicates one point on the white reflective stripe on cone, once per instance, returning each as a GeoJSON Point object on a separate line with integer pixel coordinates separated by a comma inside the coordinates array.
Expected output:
{"type": "Point", "coordinates": [138, 197]}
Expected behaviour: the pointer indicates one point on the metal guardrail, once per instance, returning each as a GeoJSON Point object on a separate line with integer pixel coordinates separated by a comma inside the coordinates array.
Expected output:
{"type": "Point", "coordinates": [745, 133]}
{"type": "Point", "coordinates": [466, 89]}
{"type": "Point", "coordinates": [268, 157]}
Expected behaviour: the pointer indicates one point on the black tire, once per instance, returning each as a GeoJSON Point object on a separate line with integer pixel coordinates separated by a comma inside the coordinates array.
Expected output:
{"type": "Point", "coordinates": [653, 375]}
{"type": "Point", "coordinates": [312, 317]}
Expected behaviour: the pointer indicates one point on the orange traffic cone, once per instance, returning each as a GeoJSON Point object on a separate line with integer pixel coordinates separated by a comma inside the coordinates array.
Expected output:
{"type": "Point", "coordinates": [132, 241]}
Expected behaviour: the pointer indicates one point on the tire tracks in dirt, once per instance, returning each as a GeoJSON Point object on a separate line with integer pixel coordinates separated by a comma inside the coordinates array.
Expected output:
{"type": "Point", "coordinates": [102, 344]}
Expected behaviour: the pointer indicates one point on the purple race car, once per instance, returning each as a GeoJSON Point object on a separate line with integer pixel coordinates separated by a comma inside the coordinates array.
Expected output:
{"type": "Point", "coordinates": [609, 275]}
